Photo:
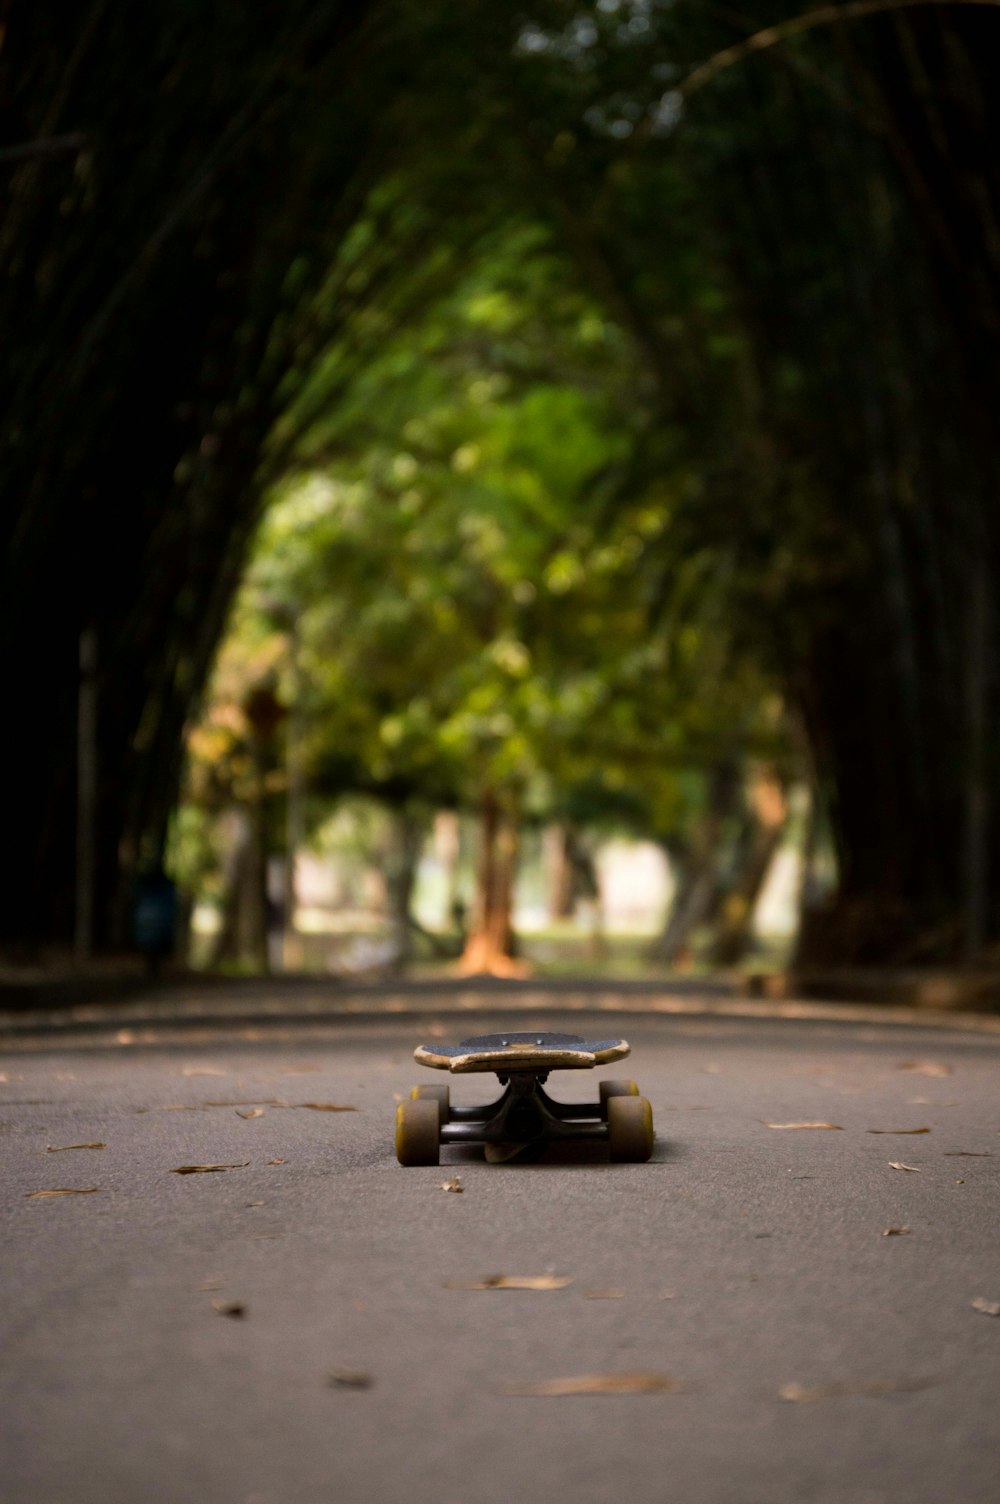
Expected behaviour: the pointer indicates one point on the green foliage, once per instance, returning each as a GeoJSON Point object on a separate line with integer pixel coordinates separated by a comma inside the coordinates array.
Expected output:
{"type": "Point", "coordinates": [476, 576]}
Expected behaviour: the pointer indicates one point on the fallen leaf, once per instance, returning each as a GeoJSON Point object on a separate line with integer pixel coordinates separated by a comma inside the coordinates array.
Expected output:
{"type": "Point", "coordinates": [897, 1130]}
{"type": "Point", "coordinates": [986, 1307]}
{"type": "Point", "coordinates": [254, 1203]}
{"type": "Point", "coordinates": [600, 1383]}
{"type": "Point", "coordinates": [248, 1102]}
{"type": "Point", "coordinates": [925, 1067]}
{"type": "Point", "coordinates": [229, 1307]}
{"type": "Point", "coordinates": [277, 1161]}
{"type": "Point", "coordinates": [350, 1378]}
{"type": "Point", "coordinates": [968, 1154]}
{"type": "Point", "coordinates": [175, 1107]}
{"type": "Point", "coordinates": [206, 1169]}
{"type": "Point", "coordinates": [895, 1164]}
{"type": "Point", "coordinates": [202, 1070]}
{"type": "Point", "coordinates": [803, 1395]}
{"type": "Point", "coordinates": [513, 1282]}
{"type": "Point", "coordinates": [894, 1232]}
{"type": "Point", "coordinates": [87, 1190]}
{"type": "Point", "coordinates": [254, 1112]}
{"type": "Point", "coordinates": [454, 1184]}
{"type": "Point", "coordinates": [322, 1106]}
{"type": "Point", "coordinates": [61, 1148]}
{"type": "Point", "coordinates": [499, 1154]}
{"type": "Point", "coordinates": [604, 1295]}
{"type": "Point", "coordinates": [838, 1126]}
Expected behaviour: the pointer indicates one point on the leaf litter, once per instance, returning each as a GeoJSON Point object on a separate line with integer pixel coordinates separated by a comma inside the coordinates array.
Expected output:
{"type": "Point", "coordinates": [234, 1308]}
{"type": "Point", "coordinates": [513, 1282]}
{"type": "Point", "coordinates": [897, 1130]}
{"type": "Point", "coordinates": [926, 1067]}
{"type": "Point", "coordinates": [986, 1307]}
{"type": "Point", "coordinates": [454, 1184]}
{"type": "Point", "coordinates": [897, 1164]}
{"type": "Point", "coordinates": [894, 1232]}
{"type": "Point", "coordinates": [838, 1126]}
{"type": "Point", "coordinates": [349, 1378]}
{"type": "Point", "coordinates": [803, 1394]}
{"type": "Point", "coordinates": [61, 1148]}
{"type": "Point", "coordinates": [253, 1112]}
{"type": "Point", "coordinates": [87, 1190]}
{"type": "Point", "coordinates": [599, 1383]}
{"type": "Point", "coordinates": [206, 1169]}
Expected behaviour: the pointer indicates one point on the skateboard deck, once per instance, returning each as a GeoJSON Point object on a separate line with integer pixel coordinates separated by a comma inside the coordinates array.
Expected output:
{"type": "Point", "coordinates": [521, 1052]}
{"type": "Point", "coordinates": [525, 1117]}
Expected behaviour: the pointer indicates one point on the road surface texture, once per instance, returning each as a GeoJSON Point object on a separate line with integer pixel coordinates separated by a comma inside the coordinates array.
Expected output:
{"type": "Point", "coordinates": [813, 1303]}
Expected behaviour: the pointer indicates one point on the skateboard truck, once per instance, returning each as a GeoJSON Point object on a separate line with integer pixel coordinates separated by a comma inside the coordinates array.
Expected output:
{"type": "Point", "coordinates": [524, 1114]}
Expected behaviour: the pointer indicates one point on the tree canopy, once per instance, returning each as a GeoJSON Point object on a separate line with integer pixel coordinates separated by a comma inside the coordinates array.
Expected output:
{"type": "Point", "coordinates": [701, 355]}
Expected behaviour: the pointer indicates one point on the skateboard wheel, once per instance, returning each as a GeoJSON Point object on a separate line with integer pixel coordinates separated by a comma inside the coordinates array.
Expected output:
{"type": "Point", "coordinates": [630, 1129]}
{"type": "Point", "coordinates": [417, 1129]}
{"type": "Point", "coordinates": [439, 1094]}
{"type": "Point", "coordinates": [615, 1089]}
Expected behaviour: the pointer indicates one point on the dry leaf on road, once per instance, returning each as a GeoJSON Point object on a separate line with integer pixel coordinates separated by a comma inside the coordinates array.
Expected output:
{"type": "Point", "coordinates": [600, 1383]}
{"type": "Point", "coordinates": [894, 1232]}
{"type": "Point", "coordinates": [206, 1169]}
{"type": "Point", "coordinates": [925, 1067]}
{"type": "Point", "coordinates": [838, 1126]}
{"type": "Point", "coordinates": [897, 1130]}
{"type": "Point", "coordinates": [513, 1282]}
{"type": "Point", "coordinates": [277, 1161]}
{"type": "Point", "coordinates": [350, 1378]}
{"type": "Point", "coordinates": [968, 1154]}
{"type": "Point", "coordinates": [320, 1106]}
{"type": "Point", "coordinates": [804, 1395]}
{"type": "Point", "coordinates": [896, 1164]}
{"type": "Point", "coordinates": [986, 1307]}
{"type": "Point", "coordinates": [61, 1148]}
{"type": "Point", "coordinates": [203, 1070]}
{"type": "Point", "coordinates": [87, 1190]}
{"type": "Point", "coordinates": [248, 1102]}
{"type": "Point", "coordinates": [253, 1112]}
{"type": "Point", "coordinates": [454, 1184]}
{"type": "Point", "coordinates": [229, 1307]}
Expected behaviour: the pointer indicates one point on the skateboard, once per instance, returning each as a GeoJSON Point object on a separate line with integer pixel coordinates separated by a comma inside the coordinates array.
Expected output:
{"type": "Point", "coordinates": [524, 1115]}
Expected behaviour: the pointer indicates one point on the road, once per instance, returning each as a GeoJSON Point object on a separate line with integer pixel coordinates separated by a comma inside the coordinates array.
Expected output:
{"type": "Point", "coordinates": [288, 1331]}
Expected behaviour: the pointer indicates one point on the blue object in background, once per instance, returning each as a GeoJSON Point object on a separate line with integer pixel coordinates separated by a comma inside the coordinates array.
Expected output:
{"type": "Point", "coordinates": [154, 914]}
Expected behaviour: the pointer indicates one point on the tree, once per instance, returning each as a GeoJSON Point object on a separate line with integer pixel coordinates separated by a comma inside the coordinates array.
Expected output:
{"type": "Point", "coordinates": [477, 584]}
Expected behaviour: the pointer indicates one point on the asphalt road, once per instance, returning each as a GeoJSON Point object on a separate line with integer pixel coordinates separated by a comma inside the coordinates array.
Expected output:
{"type": "Point", "coordinates": [811, 1357]}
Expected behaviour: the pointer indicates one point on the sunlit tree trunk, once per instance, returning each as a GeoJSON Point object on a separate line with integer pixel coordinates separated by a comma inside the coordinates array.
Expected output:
{"type": "Point", "coordinates": [489, 947]}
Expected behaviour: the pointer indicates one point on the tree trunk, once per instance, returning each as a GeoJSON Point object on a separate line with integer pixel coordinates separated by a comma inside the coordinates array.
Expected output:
{"type": "Point", "coordinates": [765, 830]}
{"type": "Point", "coordinates": [243, 933]}
{"type": "Point", "coordinates": [489, 948]}
{"type": "Point", "coordinates": [698, 888]}
{"type": "Point", "coordinates": [406, 842]}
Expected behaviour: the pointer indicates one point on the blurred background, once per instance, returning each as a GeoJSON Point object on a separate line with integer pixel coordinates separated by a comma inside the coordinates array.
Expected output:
{"type": "Point", "coordinates": [506, 490]}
